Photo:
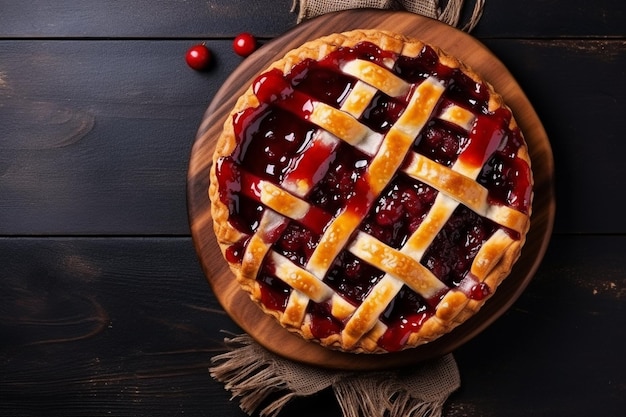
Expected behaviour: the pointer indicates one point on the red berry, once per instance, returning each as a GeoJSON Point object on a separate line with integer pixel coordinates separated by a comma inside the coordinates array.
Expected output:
{"type": "Point", "coordinates": [290, 241]}
{"type": "Point", "coordinates": [198, 57]}
{"type": "Point", "coordinates": [390, 212]}
{"type": "Point", "coordinates": [411, 201]}
{"type": "Point", "coordinates": [353, 269]}
{"type": "Point", "coordinates": [244, 44]}
{"type": "Point", "coordinates": [480, 291]}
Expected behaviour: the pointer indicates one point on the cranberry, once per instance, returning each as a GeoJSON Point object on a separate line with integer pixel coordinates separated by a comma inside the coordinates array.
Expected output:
{"type": "Point", "coordinates": [352, 278]}
{"type": "Point", "coordinates": [290, 240]}
{"type": "Point", "coordinates": [244, 44]}
{"type": "Point", "coordinates": [508, 180]}
{"type": "Point", "coordinates": [353, 269]}
{"type": "Point", "coordinates": [382, 113]}
{"type": "Point", "coordinates": [297, 243]}
{"type": "Point", "coordinates": [383, 233]}
{"type": "Point", "coordinates": [235, 252]}
{"type": "Point", "coordinates": [198, 57]}
{"type": "Point", "coordinates": [480, 291]}
{"type": "Point", "coordinates": [322, 83]}
{"type": "Point", "coordinates": [323, 324]}
{"type": "Point", "coordinates": [274, 292]}
{"type": "Point", "coordinates": [413, 69]}
{"type": "Point", "coordinates": [468, 92]}
{"type": "Point", "coordinates": [440, 143]}
{"type": "Point", "coordinates": [390, 212]}
{"type": "Point", "coordinates": [403, 316]}
{"type": "Point", "coordinates": [411, 201]}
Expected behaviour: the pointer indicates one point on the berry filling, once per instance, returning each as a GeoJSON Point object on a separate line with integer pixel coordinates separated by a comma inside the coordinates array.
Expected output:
{"type": "Point", "coordinates": [382, 112]}
{"type": "Point", "coordinates": [272, 133]}
{"type": "Point", "coordinates": [344, 179]}
{"type": "Point", "coordinates": [276, 142]}
{"type": "Point", "coordinates": [508, 181]}
{"type": "Point", "coordinates": [274, 292]}
{"type": "Point", "coordinates": [440, 142]}
{"type": "Point", "coordinates": [323, 84]}
{"type": "Point", "coordinates": [405, 315]}
{"type": "Point", "coordinates": [450, 255]}
{"type": "Point", "coordinates": [352, 278]}
{"type": "Point", "coordinates": [323, 324]}
{"type": "Point", "coordinates": [399, 211]}
{"type": "Point", "coordinates": [297, 243]}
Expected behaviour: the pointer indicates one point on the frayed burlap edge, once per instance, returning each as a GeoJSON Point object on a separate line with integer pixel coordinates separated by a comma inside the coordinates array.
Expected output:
{"type": "Point", "coordinates": [264, 382]}
{"type": "Point", "coordinates": [450, 13]}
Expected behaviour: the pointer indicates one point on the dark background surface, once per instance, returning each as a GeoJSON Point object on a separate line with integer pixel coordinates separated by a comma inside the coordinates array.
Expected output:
{"type": "Point", "coordinates": [104, 309]}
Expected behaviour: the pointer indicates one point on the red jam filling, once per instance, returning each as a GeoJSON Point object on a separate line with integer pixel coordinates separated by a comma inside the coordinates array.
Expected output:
{"type": "Point", "coordinates": [323, 324]}
{"type": "Point", "coordinates": [352, 278]}
{"type": "Point", "coordinates": [344, 178]}
{"type": "Point", "coordinates": [297, 243]}
{"type": "Point", "coordinates": [450, 255]}
{"type": "Point", "coordinates": [441, 142]}
{"type": "Point", "coordinates": [274, 292]}
{"type": "Point", "coordinates": [404, 316]}
{"type": "Point", "coordinates": [399, 211]}
{"type": "Point", "coordinates": [273, 139]}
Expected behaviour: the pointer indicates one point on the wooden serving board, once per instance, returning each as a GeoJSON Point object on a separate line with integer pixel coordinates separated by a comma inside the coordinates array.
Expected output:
{"type": "Point", "coordinates": [264, 329]}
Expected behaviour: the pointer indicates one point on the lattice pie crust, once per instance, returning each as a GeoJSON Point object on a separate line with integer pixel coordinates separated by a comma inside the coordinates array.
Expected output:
{"type": "Point", "coordinates": [407, 300]}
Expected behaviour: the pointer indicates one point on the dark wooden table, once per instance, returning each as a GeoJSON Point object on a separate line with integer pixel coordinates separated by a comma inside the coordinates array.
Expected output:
{"type": "Point", "coordinates": [104, 309]}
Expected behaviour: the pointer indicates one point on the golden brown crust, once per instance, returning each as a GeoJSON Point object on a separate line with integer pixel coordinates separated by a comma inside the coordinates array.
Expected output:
{"type": "Point", "coordinates": [455, 307]}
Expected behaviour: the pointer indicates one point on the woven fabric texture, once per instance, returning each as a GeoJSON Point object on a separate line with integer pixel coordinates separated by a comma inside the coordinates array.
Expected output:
{"type": "Point", "coordinates": [449, 11]}
{"type": "Point", "coordinates": [253, 375]}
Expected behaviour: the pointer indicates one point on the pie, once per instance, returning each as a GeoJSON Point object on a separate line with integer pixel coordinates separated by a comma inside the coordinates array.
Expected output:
{"type": "Point", "coordinates": [370, 191]}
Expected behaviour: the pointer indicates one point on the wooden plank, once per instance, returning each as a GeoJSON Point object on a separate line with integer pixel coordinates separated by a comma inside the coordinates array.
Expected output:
{"type": "Point", "coordinates": [95, 136]}
{"type": "Point", "coordinates": [269, 18]}
{"type": "Point", "coordinates": [118, 326]}
{"type": "Point", "coordinates": [551, 19]}
{"type": "Point", "coordinates": [143, 18]}
{"type": "Point", "coordinates": [127, 326]}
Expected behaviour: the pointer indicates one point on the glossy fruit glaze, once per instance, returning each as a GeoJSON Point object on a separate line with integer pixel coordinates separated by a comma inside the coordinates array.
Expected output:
{"type": "Point", "coordinates": [272, 138]}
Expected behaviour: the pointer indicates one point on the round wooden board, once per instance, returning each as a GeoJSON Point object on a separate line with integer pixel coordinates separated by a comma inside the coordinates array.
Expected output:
{"type": "Point", "coordinates": [264, 329]}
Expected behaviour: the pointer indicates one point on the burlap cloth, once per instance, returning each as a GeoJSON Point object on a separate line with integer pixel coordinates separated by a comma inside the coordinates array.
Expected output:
{"type": "Point", "coordinates": [264, 382]}
{"type": "Point", "coordinates": [449, 11]}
